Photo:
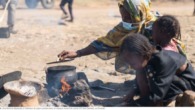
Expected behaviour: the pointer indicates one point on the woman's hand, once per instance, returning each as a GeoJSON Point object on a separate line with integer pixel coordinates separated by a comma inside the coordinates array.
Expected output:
{"type": "Point", "coordinates": [67, 54]}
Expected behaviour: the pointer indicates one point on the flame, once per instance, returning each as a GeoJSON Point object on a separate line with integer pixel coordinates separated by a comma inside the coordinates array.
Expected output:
{"type": "Point", "coordinates": [65, 86]}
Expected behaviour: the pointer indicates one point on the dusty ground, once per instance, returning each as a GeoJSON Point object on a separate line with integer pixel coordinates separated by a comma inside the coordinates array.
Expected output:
{"type": "Point", "coordinates": [40, 39]}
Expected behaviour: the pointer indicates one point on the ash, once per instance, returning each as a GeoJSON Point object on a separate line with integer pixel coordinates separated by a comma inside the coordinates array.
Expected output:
{"type": "Point", "coordinates": [53, 102]}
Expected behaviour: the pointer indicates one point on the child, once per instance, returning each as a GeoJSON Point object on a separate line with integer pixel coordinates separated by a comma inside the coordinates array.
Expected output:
{"type": "Point", "coordinates": [167, 73]}
{"type": "Point", "coordinates": [167, 34]}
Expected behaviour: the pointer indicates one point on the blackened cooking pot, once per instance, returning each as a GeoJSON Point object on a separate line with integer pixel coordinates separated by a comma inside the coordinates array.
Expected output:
{"type": "Point", "coordinates": [56, 73]}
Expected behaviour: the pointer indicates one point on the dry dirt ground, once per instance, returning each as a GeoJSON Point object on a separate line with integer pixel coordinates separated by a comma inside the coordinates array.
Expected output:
{"type": "Point", "coordinates": [40, 39]}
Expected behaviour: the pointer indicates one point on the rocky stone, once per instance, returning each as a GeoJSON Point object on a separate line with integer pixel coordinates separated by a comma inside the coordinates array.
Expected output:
{"type": "Point", "coordinates": [54, 102]}
{"type": "Point", "coordinates": [79, 95]}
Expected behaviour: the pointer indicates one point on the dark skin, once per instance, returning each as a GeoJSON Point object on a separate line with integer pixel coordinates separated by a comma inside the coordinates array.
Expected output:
{"type": "Point", "coordinates": [159, 37]}
{"type": "Point", "coordinates": [139, 63]}
{"type": "Point", "coordinates": [126, 17]}
{"type": "Point", "coordinates": [69, 9]}
{"type": "Point", "coordinates": [73, 54]}
{"type": "Point", "coordinates": [90, 49]}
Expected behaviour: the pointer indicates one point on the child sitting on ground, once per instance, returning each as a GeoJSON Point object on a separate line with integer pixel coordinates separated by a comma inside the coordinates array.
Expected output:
{"type": "Point", "coordinates": [167, 73]}
{"type": "Point", "coordinates": [166, 33]}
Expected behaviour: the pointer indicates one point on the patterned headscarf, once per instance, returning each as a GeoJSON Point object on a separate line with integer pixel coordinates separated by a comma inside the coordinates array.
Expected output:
{"type": "Point", "coordinates": [140, 12]}
{"type": "Point", "coordinates": [138, 9]}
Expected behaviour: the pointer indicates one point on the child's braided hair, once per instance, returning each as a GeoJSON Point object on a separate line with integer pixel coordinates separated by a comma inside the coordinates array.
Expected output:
{"type": "Point", "coordinates": [137, 44]}
{"type": "Point", "coordinates": [170, 26]}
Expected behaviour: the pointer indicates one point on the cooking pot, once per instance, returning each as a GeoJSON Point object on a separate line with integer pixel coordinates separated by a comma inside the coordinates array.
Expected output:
{"type": "Point", "coordinates": [56, 73]}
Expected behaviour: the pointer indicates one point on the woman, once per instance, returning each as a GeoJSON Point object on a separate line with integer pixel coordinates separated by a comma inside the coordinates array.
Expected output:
{"type": "Point", "coordinates": [136, 18]}
{"type": "Point", "coordinates": [168, 73]}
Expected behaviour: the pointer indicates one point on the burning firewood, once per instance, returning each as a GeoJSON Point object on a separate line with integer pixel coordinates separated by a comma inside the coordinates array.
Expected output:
{"type": "Point", "coordinates": [65, 86]}
{"type": "Point", "coordinates": [79, 95]}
